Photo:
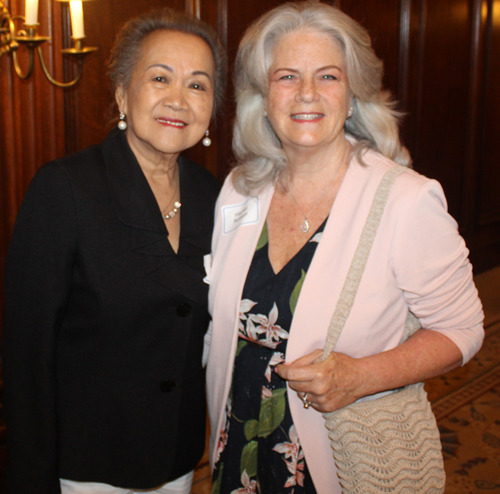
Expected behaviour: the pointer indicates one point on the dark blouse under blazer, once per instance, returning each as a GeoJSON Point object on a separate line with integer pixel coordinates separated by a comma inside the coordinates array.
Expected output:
{"type": "Point", "coordinates": [104, 325]}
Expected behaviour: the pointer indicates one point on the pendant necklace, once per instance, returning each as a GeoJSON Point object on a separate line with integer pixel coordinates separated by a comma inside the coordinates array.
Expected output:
{"type": "Point", "coordinates": [304, 227]}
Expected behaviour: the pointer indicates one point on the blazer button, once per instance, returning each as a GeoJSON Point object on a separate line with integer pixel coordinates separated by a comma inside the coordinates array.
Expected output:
{"type": "Point", "coordinates": [167, 385]}
{"type": "Point", "coordinates": [183, 310]}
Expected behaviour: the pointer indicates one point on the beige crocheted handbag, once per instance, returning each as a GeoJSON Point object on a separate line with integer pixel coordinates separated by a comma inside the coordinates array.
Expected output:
{"type": "Point", "coordinates": [389, 444]}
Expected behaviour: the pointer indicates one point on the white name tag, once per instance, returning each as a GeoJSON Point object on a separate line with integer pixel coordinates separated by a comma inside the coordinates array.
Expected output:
{"type": "Point", "coordinates": [236, 215]}
{"type": "Point", "coordinates": [207, 262]}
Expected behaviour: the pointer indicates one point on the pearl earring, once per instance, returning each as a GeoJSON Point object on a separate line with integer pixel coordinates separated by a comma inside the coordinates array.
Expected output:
{"type": "Point", "coordinates": [206, 140]}
{"type": "Point", "coordinates": [265, 113]}
{"type": "Point", "coordinates": [122, 124]}
{"type": "Point", "coordinates": [350, 112]}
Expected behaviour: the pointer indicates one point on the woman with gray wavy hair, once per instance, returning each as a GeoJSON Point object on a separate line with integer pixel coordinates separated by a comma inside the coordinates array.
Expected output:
{"type": "Point", "coordinates": [373, 121]}
{"type": "Point", "coordinates": [314, 136]}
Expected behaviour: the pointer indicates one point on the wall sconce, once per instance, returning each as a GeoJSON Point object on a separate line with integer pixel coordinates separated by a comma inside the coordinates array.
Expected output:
{"type": "Point", "coordinates": [28, 37]}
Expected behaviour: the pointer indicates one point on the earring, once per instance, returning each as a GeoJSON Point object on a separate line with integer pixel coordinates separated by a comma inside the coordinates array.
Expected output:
{"type": "Point", "coordinates": [206, 140]}
{"type": "Point", "coordinates": [122, 124]}
{"type": "Point", "coordinates": [265, 113]}
{"type": "Point", "coordinates": [350, 112]}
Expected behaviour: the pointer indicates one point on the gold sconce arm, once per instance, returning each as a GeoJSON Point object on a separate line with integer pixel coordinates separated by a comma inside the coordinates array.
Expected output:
{"type": "Point", "coordinates": [9, 43]}
{"type": "Point", "coordinates": [18, 69]}
{"type": "Point", "coordinates": [78, 52]}
{"type": "Point", "coordinates": [53, 81]}
{"type": "Point", "coordinates": [30, 40]}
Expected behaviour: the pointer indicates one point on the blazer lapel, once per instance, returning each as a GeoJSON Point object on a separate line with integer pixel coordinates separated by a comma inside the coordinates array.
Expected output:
{"type": "Point", "coordinates": [196, 232]}
{"type": "Point", "coordinates": [136, 207]}
{"type": "Point", "coordinates": [197, 213]}
{"type": "Point", "coordinates": [133, 198]}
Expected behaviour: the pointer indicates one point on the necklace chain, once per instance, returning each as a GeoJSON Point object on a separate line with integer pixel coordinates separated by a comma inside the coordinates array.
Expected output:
{"type": "Point", "coordinates": [304, 227]}
{"type": "Point", "coordinates": [174, 210]}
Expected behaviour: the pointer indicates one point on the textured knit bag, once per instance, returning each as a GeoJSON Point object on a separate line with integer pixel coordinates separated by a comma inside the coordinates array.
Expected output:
{"type": "Point", "coordinates": [388, 444]}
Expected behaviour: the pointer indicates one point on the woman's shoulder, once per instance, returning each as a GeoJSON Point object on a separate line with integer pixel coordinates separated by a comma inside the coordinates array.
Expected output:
{"type": "Point", "coordinates": [413, 196]}
{"type": "Point", "coordinates": [408, 185]}
{"type": "Point", "coordinates": [54, 185]}
{"type": "Point", "coordinates": [75, 166]}
{"type": "Point", "coordinates": [72, 167]}
{"type": "Point", "coordinates": [196, 172]}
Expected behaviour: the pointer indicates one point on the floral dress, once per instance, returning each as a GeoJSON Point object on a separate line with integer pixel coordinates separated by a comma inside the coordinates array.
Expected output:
{"type": "Point", "coordinates": [258, 449]}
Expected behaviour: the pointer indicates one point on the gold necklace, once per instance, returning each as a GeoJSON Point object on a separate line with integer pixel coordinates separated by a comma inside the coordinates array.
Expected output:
{"type": "Point", "coordinates": [175, 210]}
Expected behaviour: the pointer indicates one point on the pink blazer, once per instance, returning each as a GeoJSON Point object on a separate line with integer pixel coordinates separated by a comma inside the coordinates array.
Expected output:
{"type": "Point", "coordinates": [418, 261]}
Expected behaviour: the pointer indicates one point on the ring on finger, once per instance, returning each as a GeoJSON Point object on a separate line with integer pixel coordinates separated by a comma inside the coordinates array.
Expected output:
{"type": "Point", "coordinates": [307, 403]}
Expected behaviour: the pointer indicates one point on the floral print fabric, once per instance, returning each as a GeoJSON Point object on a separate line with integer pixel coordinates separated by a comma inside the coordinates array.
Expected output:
{"type": "Point", "coordinates": [259, 450]}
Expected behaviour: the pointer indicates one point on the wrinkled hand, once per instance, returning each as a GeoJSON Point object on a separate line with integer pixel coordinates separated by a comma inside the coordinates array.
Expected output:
{"type": "Point", "coordinates": [331, 384]}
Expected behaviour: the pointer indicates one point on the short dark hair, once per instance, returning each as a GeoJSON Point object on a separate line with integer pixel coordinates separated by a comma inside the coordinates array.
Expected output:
{"type": "Point", "coordinates": [126, 51]}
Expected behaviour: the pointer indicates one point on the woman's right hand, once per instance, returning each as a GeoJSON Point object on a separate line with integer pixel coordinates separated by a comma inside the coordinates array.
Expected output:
{"type": "Point", "coordinates": [330, 384]}
{"type": "Point", "coordinates": [339, 380]}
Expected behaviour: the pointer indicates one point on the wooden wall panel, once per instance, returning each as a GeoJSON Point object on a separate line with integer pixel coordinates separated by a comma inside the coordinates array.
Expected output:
{"type": "Point", "coordinates": [484, 238]}
{"type": "Point", "coordinates": [383, 24]}
{"type": "Point", "coordinates": [30, 108]}
{"type": "Point", "coordinates": [490, 171]}
{"type": "Point", "coordinates": [439, 141]}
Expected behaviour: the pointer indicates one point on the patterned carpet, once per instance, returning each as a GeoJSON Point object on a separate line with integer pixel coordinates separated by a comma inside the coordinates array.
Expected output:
{"type": "Point", "coordinates": [466, 403]}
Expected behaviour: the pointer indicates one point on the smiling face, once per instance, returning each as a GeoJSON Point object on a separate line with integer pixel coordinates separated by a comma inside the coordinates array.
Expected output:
{"type": "Point", "coordinates": [309, 95]}
{"type": "Point", "coordinates": [169, 101]}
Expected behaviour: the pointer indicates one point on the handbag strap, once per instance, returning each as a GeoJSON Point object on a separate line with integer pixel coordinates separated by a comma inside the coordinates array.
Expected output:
{"type": "Point", "coordinates": [353, 279]}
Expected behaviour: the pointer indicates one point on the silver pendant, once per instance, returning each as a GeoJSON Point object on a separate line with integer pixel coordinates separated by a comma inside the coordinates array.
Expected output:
{"type": "Point", "coordinates": [305, 226]}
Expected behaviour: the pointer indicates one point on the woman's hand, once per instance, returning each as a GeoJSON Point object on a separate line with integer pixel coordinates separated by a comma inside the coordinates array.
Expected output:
{"type": "Point", "coordinates": [330, 384]}
{"type": "Point", "coordinates": [340, 380]}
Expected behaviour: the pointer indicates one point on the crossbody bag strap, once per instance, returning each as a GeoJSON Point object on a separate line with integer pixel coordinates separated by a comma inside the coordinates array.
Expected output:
{"type": "Point", "coordinates": [351, 284]}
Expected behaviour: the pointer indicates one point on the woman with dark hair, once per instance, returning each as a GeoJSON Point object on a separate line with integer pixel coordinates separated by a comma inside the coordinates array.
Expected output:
{"type": "Point", "coordinates": [105, 301]}
{"type": "Point", "coordinates": [314, 137]}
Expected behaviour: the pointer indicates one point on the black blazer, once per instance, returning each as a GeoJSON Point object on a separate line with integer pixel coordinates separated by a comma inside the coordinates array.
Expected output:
{"type": "Point", "coordinates": [104, 325]}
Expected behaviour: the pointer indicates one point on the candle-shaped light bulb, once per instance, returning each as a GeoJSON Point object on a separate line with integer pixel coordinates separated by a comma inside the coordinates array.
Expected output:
{"type": "Point", "coordinates": [76, 11]}
{"type": "Point", "coordinates": [31, 12]}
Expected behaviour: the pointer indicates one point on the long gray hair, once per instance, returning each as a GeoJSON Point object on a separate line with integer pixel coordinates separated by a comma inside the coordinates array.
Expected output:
{"type": "Point", "coordinates": [374, 123]}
